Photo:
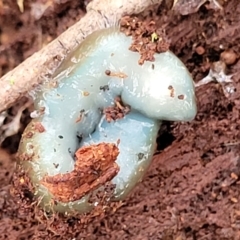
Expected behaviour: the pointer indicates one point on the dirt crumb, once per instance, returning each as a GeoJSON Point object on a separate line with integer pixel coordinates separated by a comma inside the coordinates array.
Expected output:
{"type": "Point", "coordinates": [148, 38]}
{"type": "Point", "coordinates": [118, 111]}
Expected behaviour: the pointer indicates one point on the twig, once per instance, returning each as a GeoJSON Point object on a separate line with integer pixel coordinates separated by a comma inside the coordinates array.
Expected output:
{"type": "Point", "coordinates": [41, 65]}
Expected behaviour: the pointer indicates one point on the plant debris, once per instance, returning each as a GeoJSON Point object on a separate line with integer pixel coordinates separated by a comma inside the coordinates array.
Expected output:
{"type": "Point", "coordinates": [94, 166]}
{"type": "Point", "coordinates": [115, 74]}
{"type": "Point", "coordinates": [191, 6]}
{"type": "Point", "coordinates": [148, 38]}
{"type": "Point", "coordinates": [118, 111]}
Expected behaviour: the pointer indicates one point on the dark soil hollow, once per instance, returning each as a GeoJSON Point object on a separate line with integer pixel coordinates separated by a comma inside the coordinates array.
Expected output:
{"type": "Point", "coordinates": [192, 189]}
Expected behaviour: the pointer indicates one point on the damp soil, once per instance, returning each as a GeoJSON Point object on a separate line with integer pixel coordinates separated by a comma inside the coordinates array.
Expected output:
{"type": "Point", "coordinates": [192, 189]}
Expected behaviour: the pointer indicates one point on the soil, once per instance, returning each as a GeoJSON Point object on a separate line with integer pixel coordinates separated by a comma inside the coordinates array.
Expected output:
{"type": "Point", "coordinates": [192, 189]}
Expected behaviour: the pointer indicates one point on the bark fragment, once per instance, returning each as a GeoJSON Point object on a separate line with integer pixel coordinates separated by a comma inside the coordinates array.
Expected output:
{"type": "Point", "coordinates": [95, 165]}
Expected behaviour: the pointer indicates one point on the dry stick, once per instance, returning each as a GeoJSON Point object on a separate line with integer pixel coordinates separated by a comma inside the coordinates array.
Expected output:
{"type": "Point", "coordinates": [41, 65]}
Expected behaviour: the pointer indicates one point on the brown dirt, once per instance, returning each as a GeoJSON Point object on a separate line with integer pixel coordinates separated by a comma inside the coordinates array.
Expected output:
{"type": "Point", "coordinates": [192, 189]}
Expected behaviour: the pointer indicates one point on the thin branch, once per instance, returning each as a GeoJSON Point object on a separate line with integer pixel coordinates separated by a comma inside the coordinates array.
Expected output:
{"type": "Point", "coordinates": [41, 65]}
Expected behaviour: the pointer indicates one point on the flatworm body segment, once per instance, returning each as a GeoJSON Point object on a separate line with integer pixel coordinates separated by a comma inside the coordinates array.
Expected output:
{"type": "Point", "coordinates": [99, 70]}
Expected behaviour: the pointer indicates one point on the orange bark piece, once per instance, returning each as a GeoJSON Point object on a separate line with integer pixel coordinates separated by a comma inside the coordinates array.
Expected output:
{"type": "Point", "coordinates": [95, 165]}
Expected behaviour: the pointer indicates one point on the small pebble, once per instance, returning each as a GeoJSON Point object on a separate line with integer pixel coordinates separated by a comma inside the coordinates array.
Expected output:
{"type": "Point", "coordinates": [229, 57]}
{"type": "Point", "coordinates": [200, 50]}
